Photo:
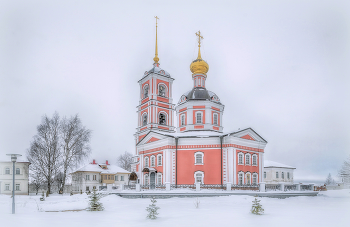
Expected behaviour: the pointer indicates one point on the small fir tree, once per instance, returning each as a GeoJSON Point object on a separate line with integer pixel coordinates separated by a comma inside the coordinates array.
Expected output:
{"type": "Point", "coordinates": [256, 207]}
{"type": "Point", "coordinates": [152, 209]}
{"type": "Point", "coordinates": [95, 205]}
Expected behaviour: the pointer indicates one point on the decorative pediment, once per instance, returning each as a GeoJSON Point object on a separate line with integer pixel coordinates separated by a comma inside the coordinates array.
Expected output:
{"type": "Point", "coordinates": [247, 137]}
{"type": "Point", "coordinates": [152, 139]}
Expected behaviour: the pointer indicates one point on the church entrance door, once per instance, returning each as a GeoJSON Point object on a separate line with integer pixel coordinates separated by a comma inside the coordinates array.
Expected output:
{"type": "Point", "coordinates": [152, 182]}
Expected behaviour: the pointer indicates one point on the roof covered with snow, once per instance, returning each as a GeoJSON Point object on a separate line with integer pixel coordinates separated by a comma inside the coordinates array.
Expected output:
{"type": "Point", "coordinates": [112, 169]}
{"type": "Point", "coordinates": [272, 164]}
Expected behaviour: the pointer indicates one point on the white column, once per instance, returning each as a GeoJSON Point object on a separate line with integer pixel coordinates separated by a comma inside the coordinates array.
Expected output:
{"type": "Point", "coordinates": [298, 187]}
{"type": "Point", "coordinates": [228, 186]}
{"type": "Point", "coordinates": [261, 167]}
{"type": "Point", "coordinates": [234, 166]}
{"type": "Point", "coordinates": [262, 187]}
{"type": "Point", "coordinates": [198, 186]}
{"type": "Point", "coordinates": [167, 186]}
{"type": "Point", "coordinates": [138, 188]}
{"type": "Point", "coordinates": [230, 165]}
{"type": "Point", "coordinates": [168, 166]}
{"type": "Point", "coordinates": [190, 117]}
{"type": "Point", "coordinates": [282, 186]}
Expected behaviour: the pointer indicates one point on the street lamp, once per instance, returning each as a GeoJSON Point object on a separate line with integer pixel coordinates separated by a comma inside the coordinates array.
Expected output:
{"type": "Point", "coordinates": [13, 160]}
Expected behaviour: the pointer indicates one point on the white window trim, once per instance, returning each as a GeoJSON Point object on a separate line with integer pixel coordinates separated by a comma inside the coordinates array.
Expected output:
{"type": "Point", "coordinates": [146, 163]}
{"type": "Point", "coordinates": [19, 171]}
{"type": "Point", "coordinates": [288, 175]}
{"type": "Point", "coordinates": [195, 177]}
{"type": "Point", "coordinates": [166, 117]}
{"type": "Point", "coordinates": [144, 179]}
{"type": "Point", "coordinates": [246, 178]}
{"type": "Point", "coordinates": [9, 169]}
{"type": "Point", "coordinates": [153, 157]}
{"type": "Point", "coordinates": [243, 161]}
{"type": "Point", "coordinates": [256, 158]}
{"type": "Point", "coordinates": [265, 175]}
{"type": "Point", "coordinates": [161, 177]}
{"type": "Point", "coordinates": [161, 160]}
{"type": "Point", "coordinates": [240, 174]}
{"type": "Point", "coordinates": [166, 90]}
{"type": "Point", "coordinates": [195, 159]}
{"type": "Point", "coordinates": [282, 175]}
{"type": "Point", "coordinates": [201, 113]}
{"type": "Point", "coordinates": [217, 119]}
{"type": "Point", "coordinates": [143, 91]}
{"type": "Point", "coordinates": [182, 123]}
{"type": "Point", "coordinates": [144, 114]}
{"type": "Point", "coordinates": [9, 187]}
{"type": "Point", "coordinates": [277, 175]}
{"type": "Point", "coordinates": [256, 177]}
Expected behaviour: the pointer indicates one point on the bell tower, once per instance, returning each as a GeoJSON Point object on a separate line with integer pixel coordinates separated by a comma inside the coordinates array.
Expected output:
{"type": "Point", "coordinates": [156, 109]}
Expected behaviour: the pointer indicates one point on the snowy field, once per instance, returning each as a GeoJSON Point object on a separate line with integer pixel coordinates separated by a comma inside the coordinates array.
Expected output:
{"type": "Point", "coordinates": [331, 208]}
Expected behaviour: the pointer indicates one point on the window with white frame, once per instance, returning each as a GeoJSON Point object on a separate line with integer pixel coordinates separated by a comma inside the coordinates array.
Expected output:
{"type": "Point", "coordinates": [264, 174]}
{"type": "Point", "coordinates": [198, 157]}
{"type": "Point", "coordinates": [240, 158]}
{"type": "Point", "coordinates": [199, 175]}
{"type": "Point", "coordinates": [159, 179]}
{"type": "Point", "coordinates": [159, 157]}
{"type": "Point", "coordinates": [144, 119]}
{"type": "Point", "coordinates": [182, 119]}
{"type": "Point", "coordinates": [276, 174]}
{"type": "Point", "coordinates": [247, 159]}
{"type": "Point", "coordinates": [7, 187]}
{"type": "Point", "coordinates": [248, 180]}
{"type": "Point", "coordinates": [162, 90]}
{"type": "Point", "coordinates": [162, 119]}
{"type": "Point", "coordinates": [146, 179]}
{"type": "Point", "coordinates": [87, 188]}
{"type": "Point", "coordinates": [7, 171]}
{"type": "Point", "coordinates": [93, 177]}
{"type": "Point", "coordinates": [116, 178]}
{"type": "Point", "coordinates": [87, 177]}
{"type": "Point", "coordinates": [153, 161]}
{"type": "Point", "coordinates": [18, 187]}
{"type": "Point", "coordinates": [240, 178]}
{"type": "Point", "coordinates": [282, 175]}
{"type": "Point", "coordinates": [255, 178]}
{"type": "Point", "coordinates": [199, 117]}
{"type": "Point", "coordinates": [18, 171]}
{"type": "Point", "coordinates": [145, 92]}
{"type": "Point", "coordinates": [121, 178]}
{"type": "Point", "coordinates": [146, 161]}
{"type": "Point", "coordinates": [288, 176]}
{"type": "Point", "coordinates": [215, 119]}
{"type": "Point", "coordinates": [255, 160]}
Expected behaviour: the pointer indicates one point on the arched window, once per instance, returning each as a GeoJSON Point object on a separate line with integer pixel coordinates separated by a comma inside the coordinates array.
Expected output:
{"type": "Point", "coordinates": [146, 180]}
{"type": "Point", "coordinates": [162, 119]}
{"type": "Point", "coordinates": [247, 159]}
{"type": "Point", "coordinates": [198, 158]}
{"type": "Point", "coordinates": [159, 160]}
{"type": "Point", "coordinates": [247, 180]}
{"type": "Point", "coordinates": [215, 119]}
{"type": "Point", "coordinates": [153, 161]}
{"type": "Point", "coordinates": [159, 179]}
{"type": "Point", "coordinates": [146, 161]}
{"type": "Point", "coordinates": [162, 90]}
{"type": "Point", "coordinates": [240, 178]}
{"type": "Point", "coordinates": [255, 158]}
{"type": "Point", "coordinates": [182, 119]}
{"type": "Point", "coordinates": [144, 119]}
{"type": "Point", "coordinates": [18, 171]}
{"type": "Point", "coordinates": [145, 92]}
{"type": "Point", "coordinates": [255, 178]}
{"type": "Point", "coordinates": [199, 177]}
{"type": "Point", "coordinates": [199, 117]}
{"type": "Point", "coordinates": [7, 171]}
{"type": "Point", "coordinates": [240, 158]}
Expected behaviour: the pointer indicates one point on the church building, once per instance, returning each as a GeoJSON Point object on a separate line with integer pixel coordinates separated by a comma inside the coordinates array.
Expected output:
{"type": "Point", "coordinates": [196, 150]}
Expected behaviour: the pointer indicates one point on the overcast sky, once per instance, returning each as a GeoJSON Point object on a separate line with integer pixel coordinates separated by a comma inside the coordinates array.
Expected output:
{"type": "Point", "coordinates": [280, 67]}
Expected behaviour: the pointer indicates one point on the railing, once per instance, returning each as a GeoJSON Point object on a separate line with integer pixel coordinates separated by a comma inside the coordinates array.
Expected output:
{"type": "Point", "coordinates": [273, 187]}
{"type": "Point", "coordinates": [130, 187]}
{"type": "Point", "coordinates": [245, 187]}
{"type": "Point", "coordinates": [213, 186]}
{"type": "Point", "coordinates": [188, 186]}
{"type": "Point", "coordinates": [290, 187]}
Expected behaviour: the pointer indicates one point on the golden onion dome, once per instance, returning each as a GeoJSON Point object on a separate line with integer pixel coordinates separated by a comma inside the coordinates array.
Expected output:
{"type": "Point", "coordinates": [199, 66]}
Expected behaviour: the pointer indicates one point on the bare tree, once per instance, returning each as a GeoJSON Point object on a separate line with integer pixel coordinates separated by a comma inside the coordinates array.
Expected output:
{"type": "Point", "coordinates": [344, 172]}
{"type": "Point", "coordinates": [76, 147]}
{"type": "Point", "coordinates": [125, 161]}
{"type": "Point", "coordinates": [44, 151]}
{"type": "Point", "coordinates": [60, 145]}
{"type": "Point", "coordinates": [329, 180]}
{"type": "Point", "coordinates": [37, 181]}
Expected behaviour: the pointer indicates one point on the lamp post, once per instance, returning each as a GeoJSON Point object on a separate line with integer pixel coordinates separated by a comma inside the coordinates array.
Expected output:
{"type": "Point", "coordinates": [13, 160]}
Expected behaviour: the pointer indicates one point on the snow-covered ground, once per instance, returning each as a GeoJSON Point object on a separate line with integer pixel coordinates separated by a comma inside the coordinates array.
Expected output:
{"type": "Point", "coordinates": [330, 208]}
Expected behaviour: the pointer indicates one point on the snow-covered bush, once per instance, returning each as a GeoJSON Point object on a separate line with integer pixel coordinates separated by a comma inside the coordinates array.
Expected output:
{"type": "Point", "coordinates": [256, 207]}
{"type": "Point", "coordinates": [42, 198]}
{"type": "Point", "coordinates": [94, 204]}
{"type": "Point", "coordinates": [152, 209]}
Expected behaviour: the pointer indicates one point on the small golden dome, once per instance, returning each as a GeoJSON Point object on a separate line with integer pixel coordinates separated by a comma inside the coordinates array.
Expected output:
{"type": "Point", "coordinates": [199, 66]}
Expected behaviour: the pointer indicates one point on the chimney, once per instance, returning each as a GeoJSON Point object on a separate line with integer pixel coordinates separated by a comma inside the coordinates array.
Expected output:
{"type": "Point", "coordinates": [107, 162]}
{"type": "Point", "coordinates": [93, 161]}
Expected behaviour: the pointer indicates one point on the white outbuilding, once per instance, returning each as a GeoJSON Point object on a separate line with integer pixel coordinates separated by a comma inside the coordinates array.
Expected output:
{"type": "Point", "coordinates": [21, 177]}
{"type": "Point", "coordinates": [275, 172]}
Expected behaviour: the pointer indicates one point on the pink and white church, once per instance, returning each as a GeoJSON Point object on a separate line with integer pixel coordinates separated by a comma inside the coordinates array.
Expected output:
{"type": "Point", "coordinates": [196, 150]}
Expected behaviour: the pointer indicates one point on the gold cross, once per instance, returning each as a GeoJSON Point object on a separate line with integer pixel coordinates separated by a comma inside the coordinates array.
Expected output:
{"type": "Point", "coordinates": [199, 38]}
{"type": "Point", "coordinates": [156, 20]}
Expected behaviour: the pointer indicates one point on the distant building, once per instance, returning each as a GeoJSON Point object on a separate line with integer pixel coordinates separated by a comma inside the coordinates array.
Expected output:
{"type": "Point", "coordinates": [21, 178]}
{"type": "Point", "coordinates": [275, 172]}
{"type": "Point", "coordinates": [98, 176]}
